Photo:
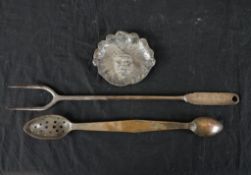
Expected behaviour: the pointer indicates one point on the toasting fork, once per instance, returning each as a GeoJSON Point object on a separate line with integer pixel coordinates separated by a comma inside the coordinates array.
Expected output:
{"type": "Point", "coordinates": [195, 98]}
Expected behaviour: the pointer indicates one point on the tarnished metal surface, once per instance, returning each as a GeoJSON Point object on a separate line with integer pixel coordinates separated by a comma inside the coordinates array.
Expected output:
{"type": "Point", "coordinates": [50, 127]}
{"type": "Point", "coordinates": [123, 58]}
{"type": "Point", "coordinates": [196, 98]}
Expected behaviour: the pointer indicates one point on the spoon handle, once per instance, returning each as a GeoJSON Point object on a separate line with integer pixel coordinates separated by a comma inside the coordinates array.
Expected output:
{"type": "Point", "coordinates": [130, 126]}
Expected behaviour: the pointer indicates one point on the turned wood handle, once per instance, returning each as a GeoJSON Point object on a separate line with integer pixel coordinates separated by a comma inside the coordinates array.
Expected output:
{"type": "Point", "coordinates": [130, 126]}
{"type": "Point", "coordinates": [212, 98]}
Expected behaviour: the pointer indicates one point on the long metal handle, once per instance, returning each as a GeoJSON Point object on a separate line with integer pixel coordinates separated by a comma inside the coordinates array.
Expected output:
{"type": "Point", "coordinates": [117, 97]}
{"type": "Point", "coordinates": [196, 98]}
{"type": "Point", "coordinates": [130, 126]}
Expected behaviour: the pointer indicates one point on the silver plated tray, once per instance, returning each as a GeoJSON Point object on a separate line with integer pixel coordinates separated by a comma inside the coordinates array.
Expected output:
{"type": "Point", "coordinates": [123, 58]}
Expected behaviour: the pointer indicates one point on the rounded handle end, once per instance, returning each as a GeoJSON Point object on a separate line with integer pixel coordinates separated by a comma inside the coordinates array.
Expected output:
{"type": "Point", "coordinates": [212, 98]}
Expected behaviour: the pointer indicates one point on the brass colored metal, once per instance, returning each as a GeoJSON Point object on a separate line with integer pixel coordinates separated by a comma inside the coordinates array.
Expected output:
{"type": "Point", "coordinates": [212, 98]}
{"type": "Point", "coordinates": [196, 98]}
{"type": "Point", "coordinates": [51, 127]}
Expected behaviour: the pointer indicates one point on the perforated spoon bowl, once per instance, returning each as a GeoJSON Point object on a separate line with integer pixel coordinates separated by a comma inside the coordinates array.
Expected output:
{"type": "Point", "coordinates": [52, 127]}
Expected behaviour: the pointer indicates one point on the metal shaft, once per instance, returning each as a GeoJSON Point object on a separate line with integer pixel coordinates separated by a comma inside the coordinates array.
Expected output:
{"type": "Point", "coordinates": [116, 97]}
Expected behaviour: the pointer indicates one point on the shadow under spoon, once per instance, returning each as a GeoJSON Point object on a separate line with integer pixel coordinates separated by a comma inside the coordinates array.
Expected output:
{"type": "Point", "coordinates": [52, 127]}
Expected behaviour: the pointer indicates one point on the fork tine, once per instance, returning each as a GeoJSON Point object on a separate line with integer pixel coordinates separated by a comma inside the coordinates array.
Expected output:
{"type": "Point", "coordinates": [26, 109]}
{"type": "Point", "coordinates": [41, 108]}
{"type": "Point", "coordinates": [23, 86]}
{"type": "Point", "coordinates": [38, 87]}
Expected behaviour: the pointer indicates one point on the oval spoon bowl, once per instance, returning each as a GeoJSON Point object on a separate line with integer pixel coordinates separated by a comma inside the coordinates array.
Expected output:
{"type": "Point", "coordinates": [48, 127]}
